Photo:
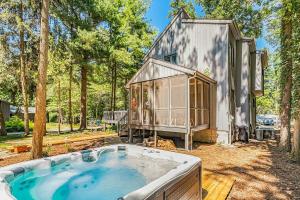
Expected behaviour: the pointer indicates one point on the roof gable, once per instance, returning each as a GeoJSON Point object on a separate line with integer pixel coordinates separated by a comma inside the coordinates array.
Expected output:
{"type": "Point", "coordinates": [182, 14]}
{"type": "Point", "coordinates": [155, 69]}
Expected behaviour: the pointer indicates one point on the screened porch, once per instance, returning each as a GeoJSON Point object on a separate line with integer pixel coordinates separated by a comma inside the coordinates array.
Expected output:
{"type": "Point", "coordinates": [164, 102]}
{"type": "Point", "coordinates": [168, 101]}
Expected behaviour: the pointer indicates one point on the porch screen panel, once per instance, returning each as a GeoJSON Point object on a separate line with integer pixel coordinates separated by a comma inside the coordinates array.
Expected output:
{"type": "Point", "coordinates": [199, 103]}
{"type": "Point", "coordinates": [147, 98]}
{"type": "Point", "coordinates": [205, 106]}
{"type": "Point", "coordinates": [135, 103]}
{"type": "Point", "coordinates": [161, 95]}
{"type": "Point", "coordinates": [192, 102]}
{"type": "Point", "coordinates": [200, 112]}
{"type": "Point", "coordinates": [178, 101]}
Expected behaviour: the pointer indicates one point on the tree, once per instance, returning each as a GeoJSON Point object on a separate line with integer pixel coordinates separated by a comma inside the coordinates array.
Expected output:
{"type": "Point", "coordinates": [269, 102]}
{"type": "Point", "coordinates": [188, 6]}
{"type": "Point", "coordinates": [70, 113]}
{"type": "Point", "coordinates": [2, 122]}
{"type": "Point", "coordinates": [286, 75]}
{"type": "Point", "coordinates": [40, 115]}
{"type": "Point", "coordinates": [23, 69]}
{"type": "Point", "coordinates": [296, 81]}
{"type": "Point", "coordinates": [83, 98]}
{"type": "Point", "coordinates": [19, 38]}
{"type": "Point", "coordinates": [247, 14]}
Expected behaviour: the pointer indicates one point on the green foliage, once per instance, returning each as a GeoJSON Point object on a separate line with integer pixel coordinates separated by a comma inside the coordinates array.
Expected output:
{"type": "Point", "coordinates": [188, 6]}
{"type": "Point", "coordinates": [269, 102]}
{"type": "Point", "coordinates": [47, 150]}
{"type": "Point", "coordinates": [15, 124]}
{"type": "Point", "coordinates": [247, 14]}
{"type": "Point", "coordinates": [296, 59]}
{"type": "Point", "coordinates": [10, 24]}
{"type": "Point", "coordinates": [68, 147]}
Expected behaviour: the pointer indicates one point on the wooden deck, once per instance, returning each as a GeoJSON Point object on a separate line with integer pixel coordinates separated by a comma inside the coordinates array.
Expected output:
{"type": "Point", "coordinates": [216, 186]}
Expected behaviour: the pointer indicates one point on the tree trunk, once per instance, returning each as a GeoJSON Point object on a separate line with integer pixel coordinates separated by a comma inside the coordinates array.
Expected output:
{"type": "Point", "coordinates": [70, 98]}
{"type": "Point", "coordinates": [40, 102]}
{"type": "Point", "coordinates": [112, 88]}
{"type": "Point", "coordinates": [125, 95]}
{"type": "Point", "coordinates": [286, 80]}
{"type": "Point", "coordinates": [296, 139]}
{"type": "Point", "coordinates": [59, 107]}
{"type": "Point", "coordinates": [115, 87]}
{"type": "Point", "coordinates": [2, 123]}
{"type": "Point", "coordinates": [83, 102]}
{"type": "Point", "coordinates": [23, 72]}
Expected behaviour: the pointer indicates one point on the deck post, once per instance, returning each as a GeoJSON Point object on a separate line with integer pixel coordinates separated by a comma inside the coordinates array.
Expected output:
{"type": "Point", "coordinates": [186, 141]}
{"type": "Point", "coordinates": [155, 138]}
{"type": "Point", "coordinates": [118, 129]}
{"type": "Point", "coordinates": [188, 120]}
{"type": "Point", "coordinates": [130, 136]}
{"type": "Point", "coordinates": [143, 134]}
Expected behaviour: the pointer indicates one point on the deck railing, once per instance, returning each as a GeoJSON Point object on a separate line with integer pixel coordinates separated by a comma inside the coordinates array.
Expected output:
{"type": "Point", "coordinates": [113, 116]}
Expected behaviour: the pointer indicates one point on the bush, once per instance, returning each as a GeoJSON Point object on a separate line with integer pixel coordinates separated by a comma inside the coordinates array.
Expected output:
{"type": "Point", "coordinates": [15, 124]}
{"type": "Point", "coordinates": [52, 117]}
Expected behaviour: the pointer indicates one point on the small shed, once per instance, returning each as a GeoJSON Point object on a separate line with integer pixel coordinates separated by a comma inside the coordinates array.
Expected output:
{"type": "Point", "coordinates": [170, 98]}
{"type": "Point", "coordinates": [19, 112]}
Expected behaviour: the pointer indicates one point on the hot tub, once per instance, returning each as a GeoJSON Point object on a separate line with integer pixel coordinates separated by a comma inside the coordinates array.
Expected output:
{"type": "Point", "coordinates": [117, 172]}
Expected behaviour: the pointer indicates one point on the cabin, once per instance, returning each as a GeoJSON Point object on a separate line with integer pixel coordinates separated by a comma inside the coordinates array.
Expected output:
{"type": "Point", "coordinates": [199, 82]}
{"type": "Point", "coordinates": [19, 112]}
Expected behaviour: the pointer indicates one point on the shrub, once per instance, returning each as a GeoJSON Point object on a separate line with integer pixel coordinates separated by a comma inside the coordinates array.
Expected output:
{"type": "Point", "coordinates": [15, 124]}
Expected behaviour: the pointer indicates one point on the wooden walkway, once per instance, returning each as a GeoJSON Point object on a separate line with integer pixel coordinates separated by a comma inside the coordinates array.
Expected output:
{"type": "Point", "coordinates": [216, 186]}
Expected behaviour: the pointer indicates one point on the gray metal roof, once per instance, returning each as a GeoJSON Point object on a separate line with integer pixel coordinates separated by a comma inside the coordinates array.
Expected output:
{"type": "Point", "coordinates": [15, 109]}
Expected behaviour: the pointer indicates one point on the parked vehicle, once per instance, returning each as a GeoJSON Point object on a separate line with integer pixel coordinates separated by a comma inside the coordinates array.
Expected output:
{"type": "Point", "coordinates": [260, 120]}
{"type": "Point", "coordinates": [268, 122]}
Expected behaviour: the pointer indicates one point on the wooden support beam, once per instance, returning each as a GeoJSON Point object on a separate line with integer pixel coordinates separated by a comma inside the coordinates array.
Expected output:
{"type": "Point", "coordinates": [143, 134]}
{"type": "Point", "coordinates": [155, 138]}
{"type": "Point", "coordinates": [186, 141]}
{"type": "Point", "coordinates": [130, 136]}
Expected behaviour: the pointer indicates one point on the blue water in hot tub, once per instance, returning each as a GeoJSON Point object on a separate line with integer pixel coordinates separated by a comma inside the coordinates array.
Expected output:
{"type": "Point", "coordinates": [113, 175]}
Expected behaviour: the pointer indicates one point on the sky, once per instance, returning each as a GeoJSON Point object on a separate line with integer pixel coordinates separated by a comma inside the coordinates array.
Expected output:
{"type": "Point", "coordinates": [158, 17]}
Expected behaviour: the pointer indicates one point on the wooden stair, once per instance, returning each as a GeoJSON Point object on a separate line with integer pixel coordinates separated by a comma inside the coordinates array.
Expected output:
{"type": "Point", "coordinates": [216, 186]}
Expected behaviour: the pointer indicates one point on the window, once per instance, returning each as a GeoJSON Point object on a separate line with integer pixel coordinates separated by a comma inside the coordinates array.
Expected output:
{"type": "Point", "coordinates": [171, 58]}
{"type": "Point", "coordinates": [147, 88]}
{"type": "Point", "coordinates": [135, 103]}
{"type": "Point", "coordinates": [161, 94]}
{"type": "Point", "coordinates": [178, 101]}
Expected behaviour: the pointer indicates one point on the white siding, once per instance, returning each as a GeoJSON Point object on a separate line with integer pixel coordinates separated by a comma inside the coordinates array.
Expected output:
{"type": "Point", "coordinates": [154, 71]}
{"type": "Point", "coordinates": [258, 75]}
{"type": "Point", "coordinates": [243, 86]}
{"type": "Point", "coordinates": [203, 47]}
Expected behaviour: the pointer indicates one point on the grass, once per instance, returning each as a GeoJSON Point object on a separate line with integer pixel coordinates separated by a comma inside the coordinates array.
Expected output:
{"type": "Point", "coordinates": [7, 142]}
{"type": "Point", "coordinates": [54, 126]}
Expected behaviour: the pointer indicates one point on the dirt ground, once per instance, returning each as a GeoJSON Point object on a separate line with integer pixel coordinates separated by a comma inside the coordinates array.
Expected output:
{"type": "Point", "coordinates": [260, 169]}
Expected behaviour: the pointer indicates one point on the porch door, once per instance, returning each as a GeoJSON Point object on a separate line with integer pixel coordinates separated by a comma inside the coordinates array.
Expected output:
{"type": "Point", "coordinates": [147, 99]}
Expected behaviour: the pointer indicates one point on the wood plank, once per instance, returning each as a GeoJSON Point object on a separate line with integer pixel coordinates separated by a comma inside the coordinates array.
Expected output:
{"type": "Point", "coordinates": [217, 186]}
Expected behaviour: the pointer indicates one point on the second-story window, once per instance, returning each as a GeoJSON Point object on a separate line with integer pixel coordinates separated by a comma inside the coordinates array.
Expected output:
{"type": "Point", "coordinates": [172, 58]}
